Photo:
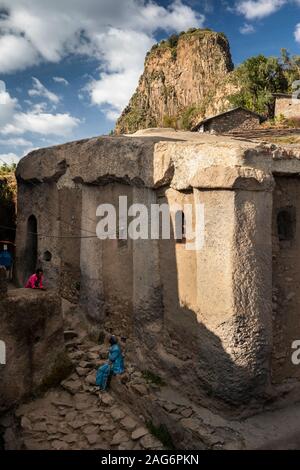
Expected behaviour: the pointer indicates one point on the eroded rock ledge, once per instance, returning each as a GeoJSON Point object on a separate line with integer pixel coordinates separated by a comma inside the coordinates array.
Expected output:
{"type": "Point", "coordinates": [181, 160]}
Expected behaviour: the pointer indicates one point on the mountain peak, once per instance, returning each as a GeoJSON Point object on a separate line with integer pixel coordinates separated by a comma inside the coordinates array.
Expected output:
{"type": "Point", "coordinates": [183, 80]}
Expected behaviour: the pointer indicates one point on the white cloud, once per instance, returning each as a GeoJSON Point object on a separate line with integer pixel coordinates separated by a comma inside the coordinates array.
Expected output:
{"type": "Point", "coordinates": [39, 107]}
{"type": "Point", "coordinates": [122, 70]}
{"type": "Point", "coordinates": [132, 53]}
{"type": "Point", "coordinates": [16, 53]}
{"type": "Point", "coordinates": [117, 33]}
{"type": "Point", "coordinates": [297, 33]}
{"type": "Point", "coordinates": [61, 80]}
{"type": "Point", "coordinates": [123, 84]}
{"type": "Point", "coordinates": [40, 90]}
{"type": "Point", "coordinates": [247, 29]}
{"type": "Point", "coordinates": [8, 105]}
{"type": "Point", "coordinates": [16, 142]}
{"type": "Point", "coordinates": [256, 9]}
{"type": "Point", "coordinates": [51, 30]}
{"type": "Point", "coordinates": [112, 115]}
{"type": "Point", "coordinates": [9, 158]}
{"type": "Point", "coordinates": [12, 157]}
{"type": "Point", "coordinates": [13, 121]}
{"type": "Point", "coordinates": [42, 123]}
{"type": "Point", "coordinates": [177, 17]}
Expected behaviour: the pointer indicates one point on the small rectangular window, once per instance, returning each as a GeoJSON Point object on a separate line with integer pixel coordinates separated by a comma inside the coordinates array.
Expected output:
{"type": "Point", "coordinates": [286, 223]}
{"type": "Point", "coordinates": [180, 227]}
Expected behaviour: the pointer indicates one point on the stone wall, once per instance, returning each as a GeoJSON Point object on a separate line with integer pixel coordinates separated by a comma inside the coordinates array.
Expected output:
{"type": "Point", "coordinates": [106, 265]}
{"type": "Point", "coordinates": [286, 276]}
{"type": "Point", "coordinates": [32, 330]}
{"type": "Point", "coordinates": [202, 317]}
{"type": "Point", "coordinates": [236, 121]}
{"type": "Point", "coordinates": [41, 202]}
{"type": "Point", "coordinates": [287, 107]}
{"type": "Point", "coordinates": [210, 332]}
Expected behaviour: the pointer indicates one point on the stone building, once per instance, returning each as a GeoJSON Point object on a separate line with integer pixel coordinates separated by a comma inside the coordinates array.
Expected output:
{"type": "Point", "coordinates": [234, 120]}
{"type": "Point", "coordinates": [287, 106]}
{"type": "Point", "coordinates": [203, 318]}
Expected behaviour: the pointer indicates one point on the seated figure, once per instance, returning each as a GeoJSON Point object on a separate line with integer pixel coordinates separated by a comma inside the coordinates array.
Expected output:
{"type": "Point", "coordinates": [35, 281]}
{"type": "Point", "coordinates": [114, 366]}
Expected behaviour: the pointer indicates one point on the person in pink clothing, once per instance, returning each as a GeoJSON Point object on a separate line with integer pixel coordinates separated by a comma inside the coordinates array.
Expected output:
{"type": "Point", "coordinates": [36, 280]}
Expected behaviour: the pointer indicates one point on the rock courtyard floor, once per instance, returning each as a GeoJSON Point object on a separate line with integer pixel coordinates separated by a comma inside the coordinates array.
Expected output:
{"type": "Point", "coordinates": [77, 416]}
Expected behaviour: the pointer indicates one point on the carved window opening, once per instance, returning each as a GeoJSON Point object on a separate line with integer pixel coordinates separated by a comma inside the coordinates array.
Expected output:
{"type": "Point", "coordinates": [286, 223]}
{"type": "Point", "coordinates": [47, 256]}
{"type": "Point", "coordinates": [180, 227]}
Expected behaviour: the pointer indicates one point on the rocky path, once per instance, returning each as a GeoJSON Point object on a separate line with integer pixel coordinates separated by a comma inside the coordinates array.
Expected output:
{"type": "Point", "coordinates": [78, 416]}
{"type": "Point", "coordinates": [61, 420]}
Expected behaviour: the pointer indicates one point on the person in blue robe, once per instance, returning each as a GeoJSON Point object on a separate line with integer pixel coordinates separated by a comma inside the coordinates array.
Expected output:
{"type": "Point", "coordinates": [114, 366]}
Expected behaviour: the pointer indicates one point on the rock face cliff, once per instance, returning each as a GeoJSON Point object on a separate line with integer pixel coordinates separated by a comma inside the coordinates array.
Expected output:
{"type": "Point", "coordinates": [32, 331]}
{"type": "Point", "coordinates": [185, 78]}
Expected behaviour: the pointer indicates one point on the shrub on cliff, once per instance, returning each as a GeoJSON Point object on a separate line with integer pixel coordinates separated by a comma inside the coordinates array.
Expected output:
{"type": "Point", "coordinates": [8, 185]}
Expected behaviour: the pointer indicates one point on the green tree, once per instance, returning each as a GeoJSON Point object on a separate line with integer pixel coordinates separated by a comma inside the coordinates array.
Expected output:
{"type": "Point", "coordinates": [173, 40]}
{"type": "Point", "coordinates": [291, 67]}
{"type": "Point", "coordinates": [257, 78]}
{"type": "Point", "coordinates": [8, 187]}
{"type": "Point", "coordinates": [6, 169]}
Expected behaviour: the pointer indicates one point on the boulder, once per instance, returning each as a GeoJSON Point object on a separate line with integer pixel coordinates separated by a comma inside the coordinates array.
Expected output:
{"type": "Point", "coordinates": [138, 433]}
{"type": "Point", "coordinates": [92, 438]}
{"type": "Point", "coordinates": [72, 386]}
{"type": "Point", "coordinates": [150, 442]}
{"type": "Point", "coordinates": [32, 329]}
{"type": "Point", "coordinates": [117, 414]}
{"type": "Point", "coordinates": [128, 423]}
{"type": "Point", "coordinates": [119, 438]}
{"type": "Point", "coordinates": [140, 389]}
{"type": "Point", "coordinates": [107, 399]}
{"type": "Point", "coordinates": [70, 438]}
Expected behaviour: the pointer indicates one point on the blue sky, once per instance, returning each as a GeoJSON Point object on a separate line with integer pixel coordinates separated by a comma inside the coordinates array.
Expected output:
{"type": "Point", "coordinates": [68, 67]}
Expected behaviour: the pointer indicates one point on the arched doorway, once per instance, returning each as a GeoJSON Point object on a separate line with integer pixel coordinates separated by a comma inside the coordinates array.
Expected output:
{"type": "Point", "coordinates": [31, 246]}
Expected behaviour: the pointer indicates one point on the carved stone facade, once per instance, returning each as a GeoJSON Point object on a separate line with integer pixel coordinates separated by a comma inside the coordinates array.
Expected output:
{"type": "Point", "coordinates": [203, 316]}
{"type": "Point", "coordinates": [32, 331]}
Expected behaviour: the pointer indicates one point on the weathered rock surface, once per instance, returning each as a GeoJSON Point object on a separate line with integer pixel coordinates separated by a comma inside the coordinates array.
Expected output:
{"type": "Point", "coordinates": [62, 420]}
{"type": "Point", "coordinates": [93, 161]}
{"type": "Point", "coordinates": [181, 160]}
{"type": "Point", "coordinates": [220, 344]}
{"type": "Point", "coordinates": [32, 329]}
{"type": "Point", "coordinates": [183, 79]}
{"type": "Point", "coordinates": [115, 420]}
